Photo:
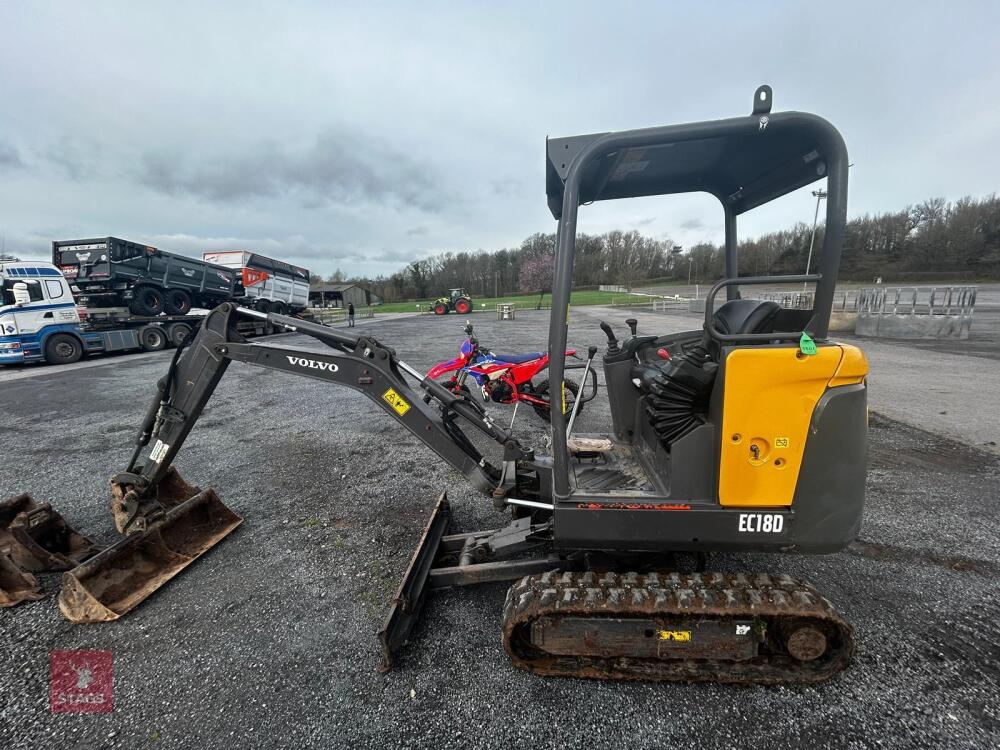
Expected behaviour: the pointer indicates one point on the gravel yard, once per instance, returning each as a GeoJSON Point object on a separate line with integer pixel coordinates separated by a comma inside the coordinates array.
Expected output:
{"type": "Point", "coordinates": [268, 640]}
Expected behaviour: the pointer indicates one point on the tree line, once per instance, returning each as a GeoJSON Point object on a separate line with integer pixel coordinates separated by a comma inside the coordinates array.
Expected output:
{"type": "Point", "coordinates": [935, 239]}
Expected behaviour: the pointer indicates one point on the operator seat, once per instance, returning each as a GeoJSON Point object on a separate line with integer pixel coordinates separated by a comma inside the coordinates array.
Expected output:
{"type": "Point", "coordinates": [746, 316]}
{"type": "Point", "coordinates": [741, 316]}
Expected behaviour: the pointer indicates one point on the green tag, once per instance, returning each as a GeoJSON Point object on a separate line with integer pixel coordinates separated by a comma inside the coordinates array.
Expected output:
{"type": "Point", "coordinates": [806, 344]}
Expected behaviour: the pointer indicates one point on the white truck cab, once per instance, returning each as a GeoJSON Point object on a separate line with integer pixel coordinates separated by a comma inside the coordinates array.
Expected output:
{"type": "Point", "coordinates": [38, 315]}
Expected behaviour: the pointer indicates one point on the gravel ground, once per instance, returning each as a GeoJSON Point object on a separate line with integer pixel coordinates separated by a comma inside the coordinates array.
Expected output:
{"type": "Point", "coordinates": [268, 641]}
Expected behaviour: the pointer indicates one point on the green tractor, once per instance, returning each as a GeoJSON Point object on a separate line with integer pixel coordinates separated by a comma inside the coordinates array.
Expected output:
{"type": "Point", "coordinates": [456, 300]}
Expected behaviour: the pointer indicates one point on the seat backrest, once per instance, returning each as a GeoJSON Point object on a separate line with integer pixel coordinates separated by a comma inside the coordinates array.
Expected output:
{"type": "Point", "coordinates": [746, 316]}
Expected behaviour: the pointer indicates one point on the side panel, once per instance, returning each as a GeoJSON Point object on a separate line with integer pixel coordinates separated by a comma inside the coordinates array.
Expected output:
{"type": "Point", "coordinates": [830, 494]}
{"type": "Point", "coordinates": [768, 400]}
{"type": "Point", "coordinates": [824, 517]}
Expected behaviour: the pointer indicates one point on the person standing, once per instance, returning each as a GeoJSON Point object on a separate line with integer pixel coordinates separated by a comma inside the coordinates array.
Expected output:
{"type": "Point", "coordinates": [350, 315]}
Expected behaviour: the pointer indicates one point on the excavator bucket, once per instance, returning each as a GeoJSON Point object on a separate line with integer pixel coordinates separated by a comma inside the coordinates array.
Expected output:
{"type": "Point", "coordinates": [33, 539]}
{"type": "Point", "coordinates": [17, 585]}
{"type": "Point", "coordinates": [119, 578]}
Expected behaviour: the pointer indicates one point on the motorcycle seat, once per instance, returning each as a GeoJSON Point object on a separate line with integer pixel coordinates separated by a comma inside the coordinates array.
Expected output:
{"type": "Point", "coordinates": [516, 359]}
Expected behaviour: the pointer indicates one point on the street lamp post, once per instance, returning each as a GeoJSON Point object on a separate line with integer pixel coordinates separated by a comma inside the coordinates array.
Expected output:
{"type": "Point", "coordinates": [820, 195]}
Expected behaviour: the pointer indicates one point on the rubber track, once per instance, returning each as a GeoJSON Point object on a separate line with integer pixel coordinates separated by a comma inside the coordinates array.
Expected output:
{"type": "Point", "coordinates": [773, 599]}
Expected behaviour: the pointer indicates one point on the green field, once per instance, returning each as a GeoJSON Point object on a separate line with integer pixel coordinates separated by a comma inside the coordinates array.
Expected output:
{"type": "Point", "coordinates": [590, 297]}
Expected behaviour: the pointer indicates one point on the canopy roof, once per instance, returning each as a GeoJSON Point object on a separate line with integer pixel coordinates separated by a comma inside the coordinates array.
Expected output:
{"type": "Point", "coordinates": [744, 161]}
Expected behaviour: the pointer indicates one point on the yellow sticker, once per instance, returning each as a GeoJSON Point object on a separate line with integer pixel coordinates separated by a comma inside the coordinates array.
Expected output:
{"type": "Point", "coordinates": [681, 636]}
{"type": "Point", "coordinates": [396, 402]}
{"type": "Point", "coordinates": [781, 442]}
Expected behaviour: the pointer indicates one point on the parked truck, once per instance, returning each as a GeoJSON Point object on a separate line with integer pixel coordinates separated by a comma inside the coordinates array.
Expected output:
{"type": "Point", "coordinates": [263, 283]}
{"type": "Point", "coordinates": [40, 321]}
{"type": "Point", "coordinates": [112, 272]}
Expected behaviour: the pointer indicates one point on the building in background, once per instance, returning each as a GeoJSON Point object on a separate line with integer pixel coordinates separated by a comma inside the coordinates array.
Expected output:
{"type": "Point", "coordinates": [340, 295]}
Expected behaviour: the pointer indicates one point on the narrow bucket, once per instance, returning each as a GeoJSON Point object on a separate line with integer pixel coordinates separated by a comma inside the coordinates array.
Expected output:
{"type": "Point", "coordinates": [17, 585]}
{"type": "Point", "coordinates": [119, 578]}
{"type": "Point", "coordinates": [37, 538]}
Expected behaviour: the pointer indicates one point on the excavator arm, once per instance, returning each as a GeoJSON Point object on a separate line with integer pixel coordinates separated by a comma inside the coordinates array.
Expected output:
{"type": "Point", "coordinates": [169, 523]}
{"type": "Point", "coordinates": [427, 410]}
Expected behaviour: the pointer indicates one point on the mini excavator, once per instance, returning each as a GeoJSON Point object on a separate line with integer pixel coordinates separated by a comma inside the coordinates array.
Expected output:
{"type": "Point", "coordinates": [748, 435]}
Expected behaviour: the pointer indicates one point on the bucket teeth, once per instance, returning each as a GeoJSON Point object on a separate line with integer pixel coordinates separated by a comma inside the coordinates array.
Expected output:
{"type": "Point", "coordinates": [119, 578]}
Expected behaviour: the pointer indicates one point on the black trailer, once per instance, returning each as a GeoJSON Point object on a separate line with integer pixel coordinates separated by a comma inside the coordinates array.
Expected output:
{"type": "Point", "coordinates": [110, 272]}
{"type": "Point", "coordinates": [117, 329]}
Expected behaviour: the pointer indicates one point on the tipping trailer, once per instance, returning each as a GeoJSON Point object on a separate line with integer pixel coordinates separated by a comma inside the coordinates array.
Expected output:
{"type": "Point", "coordinates": [40, 321]}
{"type": "Point", "coordinates": [112, 272]}
{"type": "Point", "coordinates": [265, 284]}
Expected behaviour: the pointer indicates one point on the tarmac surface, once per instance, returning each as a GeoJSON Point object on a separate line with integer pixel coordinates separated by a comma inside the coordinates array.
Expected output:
{"type": "Point", "coordinates": [268, 641]}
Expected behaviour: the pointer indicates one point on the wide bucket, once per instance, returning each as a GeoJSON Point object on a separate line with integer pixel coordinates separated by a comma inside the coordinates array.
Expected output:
{"type": "Point", "coordinates": [115, 581]}
{"type": "Point", "coordinates": [17, 585]}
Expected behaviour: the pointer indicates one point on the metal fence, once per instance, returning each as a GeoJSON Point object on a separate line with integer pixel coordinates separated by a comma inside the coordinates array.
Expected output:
{"type": "Point", "coordinates": [916, 300]}
{"type": "Point", "coordinates": [330, 315]}
{"type": "Point", "coordinates": [671, 305]}
{"type": "Point", "coordinates": [916, 312]}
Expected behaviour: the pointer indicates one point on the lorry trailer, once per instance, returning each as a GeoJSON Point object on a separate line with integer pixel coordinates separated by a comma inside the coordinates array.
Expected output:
{"type": "Point", "coordinates": [40, 321]}
{"type": "Point", "coordinates": [263, 283]}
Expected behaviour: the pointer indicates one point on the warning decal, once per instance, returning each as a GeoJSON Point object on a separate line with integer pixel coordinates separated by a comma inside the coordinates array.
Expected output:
{"type": "Point", "coordinates": [681, 636]}
{"type": "Point", "coordinates": [396, 401]}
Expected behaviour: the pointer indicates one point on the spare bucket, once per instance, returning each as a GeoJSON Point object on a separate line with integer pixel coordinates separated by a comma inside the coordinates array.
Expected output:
{"type": "Point", "coordinates": [37, 538]}
{"type": "Point", "coordinates": [17, 585]}
{"type": "Point", "coordinates": [34, 538]}
{"type": "Point", "coordinates": [122, 576]}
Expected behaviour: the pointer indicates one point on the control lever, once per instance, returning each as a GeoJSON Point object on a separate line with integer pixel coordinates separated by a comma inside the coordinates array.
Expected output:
{"type": "Point", "coordinates": [633, 324]}
{"type": "Point", "coordinates": [613, 347]}
{"type": "Point", "coordinates": [591, 353]}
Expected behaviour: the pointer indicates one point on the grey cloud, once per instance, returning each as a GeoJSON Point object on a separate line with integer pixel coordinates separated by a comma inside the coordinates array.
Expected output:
{"type": "Point", "coordinates": [77, 159]}
{"type": "Point", "coordinates": [294, 248]}
{"type": "Point", "coordinates": [340, 167]}
{"type": "Point", "coordinates": [417, 231]}
{"type": "Point", "coordinates": [507, 186]}
{"type": "Point", "coordinates": [397, 257]}
{"type": "Point", "coordinates": [693, 224]}
{"type": "Point", "coordinates": [10, 157]}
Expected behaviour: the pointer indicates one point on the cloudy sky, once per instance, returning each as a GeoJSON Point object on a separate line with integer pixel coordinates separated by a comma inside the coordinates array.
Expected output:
{"type": "Point", "coordinates": [365, 135]}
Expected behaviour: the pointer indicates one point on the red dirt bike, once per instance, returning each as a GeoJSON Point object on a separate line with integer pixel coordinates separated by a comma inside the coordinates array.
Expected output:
{"type": "Point", "coordinates": [507, 378]}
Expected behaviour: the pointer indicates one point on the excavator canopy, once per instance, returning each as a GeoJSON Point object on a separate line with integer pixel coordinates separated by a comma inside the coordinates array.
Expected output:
{"type": "Point", "coordinates": [743, 161]}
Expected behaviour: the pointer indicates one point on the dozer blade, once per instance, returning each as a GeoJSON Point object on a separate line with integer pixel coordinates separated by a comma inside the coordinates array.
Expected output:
{"type": "Point", "coordinates": [17, 585]}
{"type": "Point", "coordinates": [37, 538]}
{"type": "Point", "coordinates": [405, 610]}
{"type": "Point", "coordinates": [115, 581]}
